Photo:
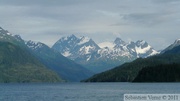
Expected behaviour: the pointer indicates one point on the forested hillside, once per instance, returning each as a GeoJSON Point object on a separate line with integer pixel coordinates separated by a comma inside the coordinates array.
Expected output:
{"type": "Point", "coordinates": [159, 73]}
{"type": "Point", "coordinates": [17, 65]}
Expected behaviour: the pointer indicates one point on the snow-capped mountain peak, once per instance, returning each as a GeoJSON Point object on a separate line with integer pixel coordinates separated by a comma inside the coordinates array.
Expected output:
{"type": "Point", "coordinates": [1, 29]}
{"type": "Point", "coordinates": [141, 43]}
{"type": "Point", "coordinates": [74, 47]}
{"type": "Point", "coordinates": [177, 42]}
{"type": "Point", "coordinates": [143, 49]}
{"type": "Point", "coordinates": [34, 45]}
{"type": "Point", "coordinates": [119, 41]}
{"type": "Point", "coordinates": [4, 32]}
{"type": "Point", "coordinates": [18, 37]}
{"type": "Point", "coordinates": [84, 50]}
{"type": "Point", "coordinates": [71, 37]}
{"type": "Point", "coordinates": [7, 36]}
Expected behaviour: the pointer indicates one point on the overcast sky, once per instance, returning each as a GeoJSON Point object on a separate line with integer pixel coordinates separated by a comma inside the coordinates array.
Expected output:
{"type": "Point", "coordinates": [155, 21]}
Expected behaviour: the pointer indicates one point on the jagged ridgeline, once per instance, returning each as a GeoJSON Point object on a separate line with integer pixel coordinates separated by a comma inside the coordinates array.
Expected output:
{"type": "Point", "coordinates": [103, 56]}
{"type": "Point", "coordinates": [129, 71]}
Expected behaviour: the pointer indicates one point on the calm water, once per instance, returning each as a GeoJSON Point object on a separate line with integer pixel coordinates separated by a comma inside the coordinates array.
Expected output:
{"type": "Point", "coordinates": [81, 91]}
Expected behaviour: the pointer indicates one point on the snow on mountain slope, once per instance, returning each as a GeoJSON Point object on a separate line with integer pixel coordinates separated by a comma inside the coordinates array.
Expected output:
{"type": "Point", "coordinates": [86, 52]}
{"type": "Point", "coordinates": [76, 48]}
{"type": "Point", "coordinates": [114, 50]}
{"type": "Point", "coordinates": [83, 40]}
{"type": "Point", "coordinates": [66, 54]}
{"type": "Point", "coordinates": [176, 43]}
{"type": "Point", "coordinates": [141, 50]}
{"type": "Point", "coordinates": [154, 52]}
{"type": "Point", "coordinates": [142, 47]}
{"type": "Point", "coordinates": [121, 48]}
{"type": "Point", "coordinates": [34, 45]}
{"type": "Point", "coordinates": [7, 36]}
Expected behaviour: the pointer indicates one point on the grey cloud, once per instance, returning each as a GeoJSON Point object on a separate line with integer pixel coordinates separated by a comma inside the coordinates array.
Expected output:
{"type": "Point", "coordinates": [41, 2]}
{"type": "Point", "coordinates": [165, 1]}
{"type": "Point", "coordinates": [147, 19]}
{"type": "Point", "coordinates": [95, 18]}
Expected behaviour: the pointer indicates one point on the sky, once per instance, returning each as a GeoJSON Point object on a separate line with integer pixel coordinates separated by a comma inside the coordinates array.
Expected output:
{"type": "Point", "coordinates": [155, 21]}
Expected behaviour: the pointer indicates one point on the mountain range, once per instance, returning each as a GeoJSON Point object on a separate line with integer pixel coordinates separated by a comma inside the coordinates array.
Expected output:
{"type": "Point", "coordinates": [75, 58]}
{"type": "Point", "coordinates": [49, 60]}
{"type": "Point", "coordinates": [103, 56]}
{"type": "Point", "coordinates": [157, 68]}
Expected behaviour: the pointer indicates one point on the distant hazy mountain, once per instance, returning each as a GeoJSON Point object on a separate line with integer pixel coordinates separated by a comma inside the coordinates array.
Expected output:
{"type": "Point", "coordinates": [66, 68]}
{"type": "Point", "coordinates": [18, 65]}
{"type": "Point", "coordinates": [128, 71]}
{"type": "Point", "coordinates": [104, 56]}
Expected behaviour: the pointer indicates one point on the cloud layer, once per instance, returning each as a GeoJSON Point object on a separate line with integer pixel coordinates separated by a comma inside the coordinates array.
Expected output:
{"type": "Point", "coordinates": [155, 21]}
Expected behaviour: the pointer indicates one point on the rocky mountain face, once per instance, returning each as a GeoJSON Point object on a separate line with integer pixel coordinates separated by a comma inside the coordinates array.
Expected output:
{"type": "Point", "coordinates": [78, 49]}
{"type": "Point", "coordinates": [103, 56]}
